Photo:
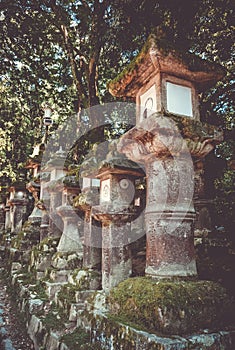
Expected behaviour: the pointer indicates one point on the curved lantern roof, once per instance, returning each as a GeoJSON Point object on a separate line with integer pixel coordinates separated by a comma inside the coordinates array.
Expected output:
{"type": "Point", "coordinates": [157, 57]}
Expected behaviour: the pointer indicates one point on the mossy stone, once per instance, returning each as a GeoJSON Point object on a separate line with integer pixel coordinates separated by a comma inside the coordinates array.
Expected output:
{"type": "Point", "coordinates": [171, 307]}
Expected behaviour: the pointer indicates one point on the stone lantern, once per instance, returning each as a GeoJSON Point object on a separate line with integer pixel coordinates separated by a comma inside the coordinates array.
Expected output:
{"type": "Point", "coordinates": [34, 187]}
{"type": "Point", "coordinates": [167, 139]}
{"type": "Point", "coordinates": [56, 167]}
{"type": "Point", "coordinates": [71, 240]}
{"type": "Point", "coordinates": [18, 206]}
{"type": "Point", "coordinates": [116, 211]}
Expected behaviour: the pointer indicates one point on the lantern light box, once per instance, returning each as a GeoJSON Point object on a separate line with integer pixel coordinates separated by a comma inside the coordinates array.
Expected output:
{"type": "Point", "coordinates": [165, 81]}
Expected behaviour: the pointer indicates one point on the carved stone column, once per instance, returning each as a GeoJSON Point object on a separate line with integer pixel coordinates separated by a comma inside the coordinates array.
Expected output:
{"type": "Point", "coordinates": [36, 215]}
{"type": "Point", "coordinates": [2, 217]}
{"type": "Point", "coordinates": [169, 221]}
{"type": "Point", "coordinates": [44, 204]}
{"type": "Point", "coordinates": [92, 243]}
{"type": "Point", "coordinates": [55, 221]}
{"type": "Point", "coordinates": [44, 227]}
{"type": "Point", "coordinates": [165, 147]}
{"type": "Point", "coordinates": [7, 216]}
{"type": "Point", "coordinates": [116, 253]}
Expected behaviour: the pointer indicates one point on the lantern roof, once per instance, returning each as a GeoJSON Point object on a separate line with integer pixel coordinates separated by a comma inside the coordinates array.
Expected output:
{"type": "Point", "coordinates": [158, 56]}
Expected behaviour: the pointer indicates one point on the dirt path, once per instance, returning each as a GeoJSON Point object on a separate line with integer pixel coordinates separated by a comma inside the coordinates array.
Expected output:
{"type": "Point", "coordinates": [13, 334]}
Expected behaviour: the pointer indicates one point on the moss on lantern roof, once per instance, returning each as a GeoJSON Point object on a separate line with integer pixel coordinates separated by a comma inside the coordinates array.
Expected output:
{"type": "Point", "coordinates": [164, 51]}
{"type": "Point", "coordinates": [111, 158]}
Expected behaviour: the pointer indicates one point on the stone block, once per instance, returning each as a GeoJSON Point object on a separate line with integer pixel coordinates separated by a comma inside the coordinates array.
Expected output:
{"type": "Point", "coordinates": [83, 295]}
{"type": "Point", "coordinates": [86, 279]}
{"type": "Point", "coordinates": [63, 346]}
{"type": "Point", "coordinates": [35, 305]}
{"type": "Point", "coordinates": [52, 288]}
{"type": "Point", "coordinates": [40, 275]}
{"type": "Point", "coordinates": [75, 310]}
{"type": "Point", "coordinates": [59, 275]}
{"type": "Point", "coordinates": [53, 341]}
{"type": "Point", "coordinates": [34, 327]}
{"type": "Point", "coordinates": [16, 266]}
{"type": "Point", "coordinates": [43, 263]}
{"type": "Point", "coordinates": [65, 261]}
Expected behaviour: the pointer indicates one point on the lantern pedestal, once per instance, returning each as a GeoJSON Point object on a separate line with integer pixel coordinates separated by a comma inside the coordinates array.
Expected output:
{"type": "Point", "coordinates": [92, 229]}
{"type": "Point", "coordinates": [36, 215]}
{"type": "Point", "coordinates": [116, 252]}
{"type": "Point", "coordinates": [7, 216]}
{"type": "Point", "coordinates": [55, 221]}
{"type": "Point", "coordinates": [70, 240]}
{"type": "Point", "coordinates": [166, 150]}
{"type": "Point", "coordinates": [92, 242]}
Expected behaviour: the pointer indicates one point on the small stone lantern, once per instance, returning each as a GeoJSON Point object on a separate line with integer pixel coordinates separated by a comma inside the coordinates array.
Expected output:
{"type": "Point", "coordinates": [167, 138]}
{"type": "Point", "coordinates": [116, 211]}
{"type": "Point", "coordinates": [70, 240]}
{"type": "Point", "coordinates": [18, 206]}
{"type": "Point", "coordinates": [56, 167]}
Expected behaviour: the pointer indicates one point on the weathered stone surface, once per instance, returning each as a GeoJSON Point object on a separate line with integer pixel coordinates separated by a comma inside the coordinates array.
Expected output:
{"type": "Point", "coordinates": [17, 211]}
{"type": "Point", "coordinates": [34, 328]}
{"type": "Point", "coordinates": [110, 333]}
{"type": "Point", "coordinates": [59, 275]}
{"type": "Point", "coordinates": [66, 261]}
{"type": "Point", "coordinates": [92, 254]}
{"type": "Point", "coordinates": [53, 288]}
{"type": "Point", "coordinates": [86, 279]}
{"type": "Point", "coordinates": [170, 252]}
{"type": "Point", "coordinates": [75, 310]}
{"type": "Point", "coordinates": [53, 341]}
{"type": "Point", "coordinates": [116, 253]}
{"type": "Point", "coordinates": [71, 239]}
{"type": "Point", "coordinates": [35, 305]}
{"type": "Point", "coordinates": [16, 266]}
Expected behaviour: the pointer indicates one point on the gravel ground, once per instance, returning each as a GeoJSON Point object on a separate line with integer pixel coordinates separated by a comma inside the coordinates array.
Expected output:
{"type": "Point", "coordinates": [13, 335]}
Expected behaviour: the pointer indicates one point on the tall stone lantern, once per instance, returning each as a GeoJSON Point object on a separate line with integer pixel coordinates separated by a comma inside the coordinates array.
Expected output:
{"type": "Point", "coordinates": [167, 139]}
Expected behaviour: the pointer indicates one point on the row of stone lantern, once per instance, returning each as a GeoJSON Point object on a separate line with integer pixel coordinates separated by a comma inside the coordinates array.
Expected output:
{"type": "Point", "coordinates": [168, 143]}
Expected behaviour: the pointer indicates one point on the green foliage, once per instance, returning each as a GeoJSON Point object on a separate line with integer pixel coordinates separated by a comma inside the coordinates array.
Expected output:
{"type": "Point", "coordinates": [78, 339]}
{"type": "Point", "coordinates": [65, 52]}
{"type": "Point", "coordinates": [225, 200]}
{"type": "Point", "coordinates": [54, 319]}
